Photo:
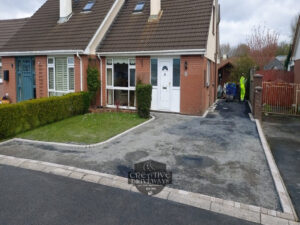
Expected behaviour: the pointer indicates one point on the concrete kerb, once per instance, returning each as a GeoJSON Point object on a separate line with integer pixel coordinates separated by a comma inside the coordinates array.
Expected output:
{"type": "Point", "coordinates": [78, 146]}
{"type": "Point", "coordinates": [235, 209]}
{"type": "Point", "coordinates": [284, 196]}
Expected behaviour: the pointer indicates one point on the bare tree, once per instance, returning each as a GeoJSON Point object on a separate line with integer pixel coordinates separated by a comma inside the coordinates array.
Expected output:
{"type": "Point", "coordinates": [225, 49]}
{"type": "Point", "coordinates": [263, 45]}
{"type": "Point", "coordinates": [241, 50]}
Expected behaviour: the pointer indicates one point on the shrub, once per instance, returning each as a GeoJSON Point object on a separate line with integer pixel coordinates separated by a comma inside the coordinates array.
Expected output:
{"type": "Point", "coordinates": [144, 98]}
{"type": "Point", "coordinates": [93, 82]}
{"type": "Point", "coordinates": [27, 115]}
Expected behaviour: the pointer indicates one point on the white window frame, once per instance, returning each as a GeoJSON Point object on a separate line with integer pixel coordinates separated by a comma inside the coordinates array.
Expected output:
{"type": "Point", "coordinates": [52, 65]}
{"type": "Point", "coordinates": [208, 71]}
{"type": "Point", "coordinates": [1, 78]}
{"type": "Point", "coordinates": [113, 88]}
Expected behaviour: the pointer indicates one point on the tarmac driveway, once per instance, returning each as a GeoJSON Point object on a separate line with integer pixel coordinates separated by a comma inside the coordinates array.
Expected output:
{"type": "Point", "coordinates": [220, 155]}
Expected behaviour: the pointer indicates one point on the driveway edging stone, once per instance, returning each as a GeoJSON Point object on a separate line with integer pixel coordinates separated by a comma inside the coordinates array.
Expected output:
{"type": "Point", "coordinates": [284, 197]}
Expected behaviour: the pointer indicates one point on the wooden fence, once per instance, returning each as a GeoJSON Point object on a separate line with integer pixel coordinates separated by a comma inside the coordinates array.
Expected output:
{"type": "Point", "coordinates": [277, 76]}
{"type": "Point", "coordinates": [281, 98]}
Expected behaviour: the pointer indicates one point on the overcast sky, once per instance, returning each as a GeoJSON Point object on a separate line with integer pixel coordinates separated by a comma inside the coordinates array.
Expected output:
{"type": "Point", "coordinates": [238, 16]}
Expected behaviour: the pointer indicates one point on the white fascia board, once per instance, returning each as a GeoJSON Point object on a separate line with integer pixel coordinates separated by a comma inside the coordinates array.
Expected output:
{"type": "Point", "coordinates": [154, 53]}
{"type": "Point", "coordinates": [33, 53]}
{"type": "Point", "coordinates": [109, 18]}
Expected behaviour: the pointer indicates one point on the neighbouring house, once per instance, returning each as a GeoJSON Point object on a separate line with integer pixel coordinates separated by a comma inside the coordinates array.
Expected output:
{"type": "Point", "coordinates": [8, 29]}
{"type": "Point", "coordinates": [50, 54]}
{"type": "Point", "coordinates": [277, 63]}
{"type": "Point", "coordinates": [225, 69]}
{"type": "Point", "coordinates": [296, 53]}
{"type": "Point", "coordinates": [171, 44]}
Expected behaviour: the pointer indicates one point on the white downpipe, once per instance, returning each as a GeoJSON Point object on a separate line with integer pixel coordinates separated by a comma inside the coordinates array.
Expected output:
{"type": "Point", "coordinates": [81, 85]}
{"type": "Point", "coordinates": [99, 57]}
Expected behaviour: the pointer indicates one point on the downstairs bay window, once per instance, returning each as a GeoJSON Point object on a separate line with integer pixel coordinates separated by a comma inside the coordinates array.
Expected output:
{"type": "Point", "coordinates": [61, 75]}
{"type": "Point", "coordinates": [120, 82]}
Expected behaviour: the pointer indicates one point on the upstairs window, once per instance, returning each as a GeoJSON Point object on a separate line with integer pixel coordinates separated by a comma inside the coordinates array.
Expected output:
{"type": "Point", "coordinates": [139, 7]}
{"type": "Point", "coordinates": [89, 6]}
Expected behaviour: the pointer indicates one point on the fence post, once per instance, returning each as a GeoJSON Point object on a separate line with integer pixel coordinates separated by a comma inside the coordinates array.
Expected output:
{"type": "Point", "coordinates": [251, 90]}
{"type": "Point", "coordinates": [257, 96]}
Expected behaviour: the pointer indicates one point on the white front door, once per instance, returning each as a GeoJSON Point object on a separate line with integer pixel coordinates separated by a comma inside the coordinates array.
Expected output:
{"type": "Point", "coordinates": [165, 76]}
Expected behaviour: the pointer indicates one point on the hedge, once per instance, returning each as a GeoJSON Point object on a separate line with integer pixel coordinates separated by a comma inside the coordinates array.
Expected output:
{"type": "Point", "coordinates": [27, 115]}
{"type": "Point", "coordinates": [144, 98]}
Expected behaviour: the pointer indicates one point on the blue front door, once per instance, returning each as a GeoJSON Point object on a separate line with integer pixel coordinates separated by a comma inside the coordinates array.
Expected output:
{"type": "Point", "coordinates": [25, 72]}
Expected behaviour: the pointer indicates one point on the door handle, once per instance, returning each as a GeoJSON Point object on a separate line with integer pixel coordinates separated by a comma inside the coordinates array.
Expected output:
{"type": "Point", "coordinates": [165, 88]}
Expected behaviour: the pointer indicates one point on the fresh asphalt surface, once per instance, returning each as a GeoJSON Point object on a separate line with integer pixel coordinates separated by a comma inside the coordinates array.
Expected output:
{"type": "Point", "coordinates": [219, 156]}
{"type": "Point", "coordinates": [283, 136]}
{"type": "Point", "coordinates": [28, 197]}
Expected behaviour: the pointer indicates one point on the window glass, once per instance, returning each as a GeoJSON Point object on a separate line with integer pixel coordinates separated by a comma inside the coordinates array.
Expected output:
{"type": "Point", "coordinates": [176, 72]}
{"type": "Point", "coordinates": [71, 60]}
{"type": "Point", "coordinates": [121, 98]}
{"type": "Point", "coordinates": [89, 6]}
{"type": "Point", "coordinates": [71, 79]}
{"type": "Point", "coordinates": [110, 97]}
{"type": "Point", "coordinates": [132, 77]}
{"type": "Point", "coordinates": [132, 99]}
{"type": "Point", "coordinates": [109, 77]}
{"type": "Point", "coordinates": [121, 75]}
{"type": "Point", "coordinates": [61, 75]}
{"type": "Point", "coordinates": [51, 78]}
{"type": "Point", "coordinates": [154, 72]}
{"type": "Point", "coordinates": [121, 81]}
{"type": "Point", "coordinates": [139, 7]}
{"type": "Point", "coordinates": [109, 61]}
{"type": "Point", "coordinates": [50, 61]}
{"type": "Point", "coordinates": [208, 74]}
{"type": "Point", "coordinates": [132, 62]}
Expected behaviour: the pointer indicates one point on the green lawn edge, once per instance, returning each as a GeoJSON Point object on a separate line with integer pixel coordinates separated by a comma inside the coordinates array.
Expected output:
{"type": "Point", "coordinates": [85, 129]}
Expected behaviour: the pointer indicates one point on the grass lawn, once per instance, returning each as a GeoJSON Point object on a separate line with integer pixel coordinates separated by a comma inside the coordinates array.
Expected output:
{"type": "Point", "coordinates": [85, 129]}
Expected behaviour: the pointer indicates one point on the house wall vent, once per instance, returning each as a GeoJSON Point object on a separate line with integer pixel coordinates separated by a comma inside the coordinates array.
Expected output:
{"type": "Point", "coordinates": [65, 10]}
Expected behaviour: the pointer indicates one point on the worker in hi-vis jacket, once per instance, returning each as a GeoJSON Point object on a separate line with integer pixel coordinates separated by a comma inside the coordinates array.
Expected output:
{"type": "Point", "coordinates": [243, 88]}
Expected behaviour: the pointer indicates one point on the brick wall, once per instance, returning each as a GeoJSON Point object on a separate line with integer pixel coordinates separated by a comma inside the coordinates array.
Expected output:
{"type": "Point", "coordinates": [297, 71]}
{"type": "Point", "coordinates": [192, 85]}
{"type": "Point", "coordinates": [143, 69]}
{"type": "Point", "coordinates": [9, 63]}
{"type": "Point", "coordinates": [1, 90]}
{"type": "Point", "coordinates": [85, 63]}
{"type": "Point", "coordinates": [41, 76]}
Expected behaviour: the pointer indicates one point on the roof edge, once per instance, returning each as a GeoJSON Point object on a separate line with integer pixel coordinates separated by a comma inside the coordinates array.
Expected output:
{"type": "Point", "coordinates": [295, 41]}
{"type": "Point", "coordinates": [104, 26]}
{"type": "Point", "coordinates": [47, 52]}
{"type": "Point", "coordinates": [158, 52]}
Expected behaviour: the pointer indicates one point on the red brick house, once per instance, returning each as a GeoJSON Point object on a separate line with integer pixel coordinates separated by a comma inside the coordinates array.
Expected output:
{"type": "Point", "coordinates": [8, 29]}
{"type": "Point", "coordinates": [171, 44]}
{"type": "Point", "coordinates": [296, 53]}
